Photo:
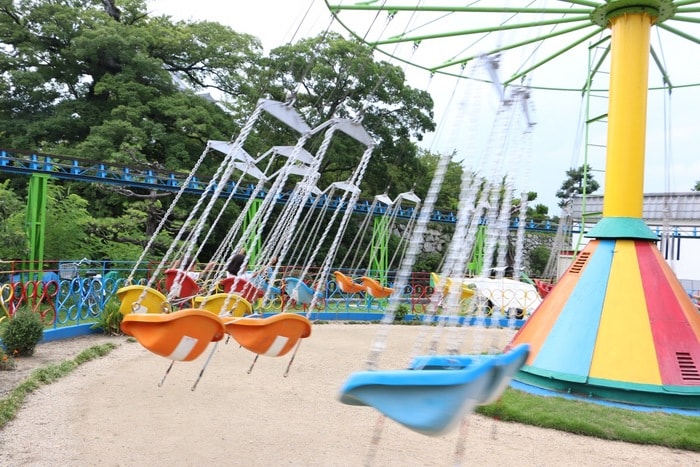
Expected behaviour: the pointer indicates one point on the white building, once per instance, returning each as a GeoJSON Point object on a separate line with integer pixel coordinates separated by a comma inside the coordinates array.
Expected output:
{"type": "Point", "coordinates": [674, 217]}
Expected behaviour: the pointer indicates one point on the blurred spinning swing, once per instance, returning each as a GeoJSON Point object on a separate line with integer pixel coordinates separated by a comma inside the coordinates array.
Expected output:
{"type": "Point", "coordinates": [283, 235]}
{"type": "Point", "coordinates": [435, 392]}
{"type": "Point", "coordinates": [180, 335]}
{"type": "Point", "coordinates": [168, 333]}
{"type": "Point", "coordinates": [383, 212]}
{"type": "Point", "coordinates": [383, 228]}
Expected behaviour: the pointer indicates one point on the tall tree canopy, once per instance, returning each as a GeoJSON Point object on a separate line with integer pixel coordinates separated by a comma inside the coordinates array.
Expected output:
{"type": "Point", "coordinates": [334, 77]}
{"type": "Point", "coordinates": [579, 181]}
{"type": "Point", "coordinates": [90, 78]}
{"type": "Point", "coordinates": [103, 80]}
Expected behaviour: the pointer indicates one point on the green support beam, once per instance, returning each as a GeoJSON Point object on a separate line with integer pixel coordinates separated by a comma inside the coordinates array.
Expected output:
{"type": "Point", "coordinates": [36, 219]}
{"type": "Point", "coordinates": [379, 259]}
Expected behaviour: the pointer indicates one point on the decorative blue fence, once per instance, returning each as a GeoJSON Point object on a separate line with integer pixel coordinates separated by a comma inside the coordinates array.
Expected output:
{"type": "Point", "coordinates": [72, 298]}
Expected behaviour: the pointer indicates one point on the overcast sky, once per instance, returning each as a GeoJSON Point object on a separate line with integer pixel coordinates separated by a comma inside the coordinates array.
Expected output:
{"type": "Point", "coordinates": [671, 158]}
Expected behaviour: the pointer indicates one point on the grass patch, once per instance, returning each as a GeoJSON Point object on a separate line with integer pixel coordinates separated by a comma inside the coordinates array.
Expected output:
{"type": "Point", "coordinates": [589, 419]}
{"type": "Point", "coordinates": [10, 405]}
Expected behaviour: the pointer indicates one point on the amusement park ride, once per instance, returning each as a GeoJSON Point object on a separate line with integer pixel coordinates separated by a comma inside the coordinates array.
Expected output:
{"type": "Point", "coordinates": [617, 326]}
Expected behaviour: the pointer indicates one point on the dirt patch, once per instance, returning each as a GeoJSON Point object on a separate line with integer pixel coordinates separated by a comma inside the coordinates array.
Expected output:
{"type": "Point", "coordinates": [45, 354]}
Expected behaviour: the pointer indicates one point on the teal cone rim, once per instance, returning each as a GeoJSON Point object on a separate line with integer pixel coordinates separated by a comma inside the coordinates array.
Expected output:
{"type": "Point", "coordinates": [622, 227]}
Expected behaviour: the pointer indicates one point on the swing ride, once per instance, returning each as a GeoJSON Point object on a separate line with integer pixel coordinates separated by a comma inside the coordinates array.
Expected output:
{"type": "Point", "coordinates": [157, 331]}
{"type": "Point", "coordinates": [228, 301]}
{"type": "Point", "coordinates": [444, 286]}
{"type": "Point", "coordinates": [346, 284]}
{"type": "Point", "coordinates": [434, 393]}
{"type": "Point", "coordinates": [617, 326]}
{"type": "Point", "coordinates": [378, 262]}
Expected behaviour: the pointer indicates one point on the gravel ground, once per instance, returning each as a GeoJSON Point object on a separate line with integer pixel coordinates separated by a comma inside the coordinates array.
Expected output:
{"type": "Point", "coordinates": [111, 412]}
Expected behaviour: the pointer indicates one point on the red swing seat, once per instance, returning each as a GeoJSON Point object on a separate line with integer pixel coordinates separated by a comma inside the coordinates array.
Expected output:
{"type": "Point", "coordinates": [242, 287]}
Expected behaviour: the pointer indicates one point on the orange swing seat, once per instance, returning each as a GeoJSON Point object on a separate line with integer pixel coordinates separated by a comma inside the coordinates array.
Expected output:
{"type": "Point", "coordinates": [375, 289]}
{"type": "Point", "coordinates": [273, 336]}
{"type": "Point", "coordinates": [347, 285]}
{"type": "Point", "coordinates": [181, 335]}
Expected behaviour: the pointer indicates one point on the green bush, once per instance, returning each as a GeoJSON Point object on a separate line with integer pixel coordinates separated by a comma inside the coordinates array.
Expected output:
{"type": "Point", "coordinates": [539, 256]}
{"type": "Point", "coordinates": [110, 319]}
{"type": "Point", "coordinates": [22, 333]}
{"type": "Point", "coordinates": [401, 312]}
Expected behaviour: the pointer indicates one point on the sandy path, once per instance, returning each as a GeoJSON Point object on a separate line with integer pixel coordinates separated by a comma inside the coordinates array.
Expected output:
{"type": "Point", "coordinates": [111, 412]}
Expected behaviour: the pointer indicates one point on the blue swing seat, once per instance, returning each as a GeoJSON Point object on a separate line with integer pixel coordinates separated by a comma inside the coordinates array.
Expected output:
{"type": "Point", "coordinates": [299, 291]}
{"type": "Point", "coordinates": [506, 364]}
{"type": "Point", "coordinates": [428, 401]}
{"type": "Point", "coordinates": [262, 285]}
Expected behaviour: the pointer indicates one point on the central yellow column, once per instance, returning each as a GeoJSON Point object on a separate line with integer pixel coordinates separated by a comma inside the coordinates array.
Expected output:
{"type": "Point", "coordinates": [627, 115]}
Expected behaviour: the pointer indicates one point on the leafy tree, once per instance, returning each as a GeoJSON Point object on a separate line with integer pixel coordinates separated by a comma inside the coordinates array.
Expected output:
{"type": "Point", "coordinates": [448, 198]}
{"type": "Point", "coordinates": [13, 238]}
{"type": "Point", "coordinates": [428, 262]}
{"type": "Point", "coordinates": [330, 76]}
{"type": "Point", "coordinates": [72, 233]}
{"type": "Point", "coordinates": [539, 213]}
{"type": "Point", "coordinates": [578, 182]}
{"type": "Point", "coordinates": [538, 256]}
{"type": "Point", "coordinates": [86, 78]}
{"type": "Point", "coordinates": [696, 187]}
{"type": "Point", "coordinates": [89, 79]}
{"type": "Point", "coordinates": [124, 238]}
{"type": "Point", "coordinates": [67, 221]}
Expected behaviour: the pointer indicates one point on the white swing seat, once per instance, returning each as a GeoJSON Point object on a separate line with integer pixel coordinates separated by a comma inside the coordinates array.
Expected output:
{"type": "Point", "coordinates": [430, 402]}
{"type": "Point", "coordinates": [506, 364]}
{"type": "Point", "coordinates": [299, 291]}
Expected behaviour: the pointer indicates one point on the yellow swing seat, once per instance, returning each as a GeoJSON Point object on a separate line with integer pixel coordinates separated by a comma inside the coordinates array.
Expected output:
{"type": "Point", "coordinates": [237, 306]}
{"type": "Point", "coordinates": [181, 335]}
{"type": "Point", "coordinates": [273, 336]}
{"type": "Point", "coordinates": [152, 302]}
{"type": "Point", "coordinates": [465, 291]}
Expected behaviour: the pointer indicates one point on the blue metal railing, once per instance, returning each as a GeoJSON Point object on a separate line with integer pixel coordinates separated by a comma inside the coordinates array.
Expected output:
{"type": "Point", "coordinates": [78, 169]}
